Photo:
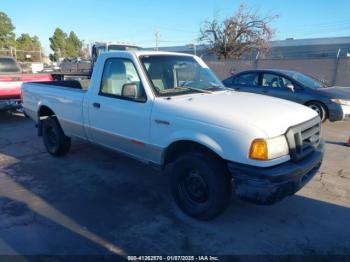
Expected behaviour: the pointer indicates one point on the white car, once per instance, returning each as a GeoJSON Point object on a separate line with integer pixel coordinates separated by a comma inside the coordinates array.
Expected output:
{"type": "Point", "coordinates": [169, 108]}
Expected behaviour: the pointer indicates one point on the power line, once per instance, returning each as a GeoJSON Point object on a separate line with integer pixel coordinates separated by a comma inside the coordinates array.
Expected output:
{"type": "Point", "coordinates": [327, 24]}
{"type": "Point", "coordinates": [178, 30]}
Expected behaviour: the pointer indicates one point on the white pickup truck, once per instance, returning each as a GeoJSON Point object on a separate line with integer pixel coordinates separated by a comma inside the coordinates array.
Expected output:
{"type": "Point", "coordinates": [169, 109]}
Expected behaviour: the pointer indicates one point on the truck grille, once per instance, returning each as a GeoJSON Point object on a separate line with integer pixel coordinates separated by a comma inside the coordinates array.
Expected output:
{"type": "Point", "coordinates": [303, 139]}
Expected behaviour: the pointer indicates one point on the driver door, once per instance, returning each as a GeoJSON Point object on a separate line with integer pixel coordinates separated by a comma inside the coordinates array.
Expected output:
{"type": "Point", "coordinates": [117, 121]}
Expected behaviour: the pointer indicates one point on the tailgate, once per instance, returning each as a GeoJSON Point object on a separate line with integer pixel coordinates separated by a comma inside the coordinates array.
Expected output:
{"type": "Point", "coordinates": [10, 86]}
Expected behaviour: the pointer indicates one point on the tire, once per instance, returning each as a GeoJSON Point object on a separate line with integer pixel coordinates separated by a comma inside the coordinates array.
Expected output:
{"type": "Point", "coordinates": [320, 109]}
{"type": "Point", "coordinates": [201, 185]}
{"type": "Point", "coordinates": [55, 141]}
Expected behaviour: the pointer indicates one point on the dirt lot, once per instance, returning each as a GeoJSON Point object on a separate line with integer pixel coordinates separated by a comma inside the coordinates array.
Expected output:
{"type": "Point", "coordinates": [97, 202]}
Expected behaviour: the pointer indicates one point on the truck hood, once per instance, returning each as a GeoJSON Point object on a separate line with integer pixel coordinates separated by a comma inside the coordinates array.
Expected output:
{"type": "Point", "coordinates": [238, 111]}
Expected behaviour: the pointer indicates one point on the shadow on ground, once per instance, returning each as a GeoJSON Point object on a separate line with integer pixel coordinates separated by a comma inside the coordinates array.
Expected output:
{"type": "Point", "coordinates": [95, 201]}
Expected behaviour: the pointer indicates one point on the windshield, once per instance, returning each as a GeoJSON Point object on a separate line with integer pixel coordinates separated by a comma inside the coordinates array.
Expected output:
{"type": "Point", "coordinates": [175, 75]}
{"type": "Point", "coordinates": [8, 65]}
{"type": "Point", "coordinates": [306, 80]}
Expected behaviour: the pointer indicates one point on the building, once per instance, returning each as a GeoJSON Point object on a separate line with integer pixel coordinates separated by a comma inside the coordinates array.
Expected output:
{"type": "Point", "coordinates": [289, 48]}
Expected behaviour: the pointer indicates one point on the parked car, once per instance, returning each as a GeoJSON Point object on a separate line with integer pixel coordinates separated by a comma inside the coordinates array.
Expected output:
{"type": "Point", "coordinates": [50, 69]}
{"type": "Point", "coordinates": [169, 109]}
{"type": "Point", "coordinates": [331, 103]}
{"type": "Point", "coordinates": [11, 79]}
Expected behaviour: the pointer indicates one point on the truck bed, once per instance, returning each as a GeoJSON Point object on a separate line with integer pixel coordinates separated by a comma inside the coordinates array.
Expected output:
{"type": "Point", "coordinates": [63, 83]}
{"type": "Point", "coordinates": [65, 98]}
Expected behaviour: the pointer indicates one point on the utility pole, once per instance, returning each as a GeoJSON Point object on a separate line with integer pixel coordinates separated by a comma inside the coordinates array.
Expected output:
{"type": "Point", "coordinates": [157, 34]}
{"type": "Point", "coordinates": [257, 60]}
{"type": "Point", "coordinates": [40, 53]}
{"type": "Point", "coordinates": [336, 66]}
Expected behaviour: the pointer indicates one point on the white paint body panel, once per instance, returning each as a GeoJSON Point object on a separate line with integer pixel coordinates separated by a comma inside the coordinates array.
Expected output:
{"type": "Point", "coordinates": [224, 121]}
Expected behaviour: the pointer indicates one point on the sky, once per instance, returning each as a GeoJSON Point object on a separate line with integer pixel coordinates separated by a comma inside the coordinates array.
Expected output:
{"type": "Point", "coordinates": [177, 21]}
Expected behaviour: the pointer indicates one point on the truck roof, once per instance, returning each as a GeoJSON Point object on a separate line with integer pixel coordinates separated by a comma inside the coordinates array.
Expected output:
{"type": "Point", "coordinates": [114, 43]}
{"type": "Point", "coordinates": [143, 53]}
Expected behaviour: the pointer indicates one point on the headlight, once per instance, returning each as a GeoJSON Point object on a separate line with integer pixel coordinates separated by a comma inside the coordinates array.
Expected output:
{"type": "Point", "coordinates": [267, 149]}
{"type": "Point", "coordinates": [341, 101]}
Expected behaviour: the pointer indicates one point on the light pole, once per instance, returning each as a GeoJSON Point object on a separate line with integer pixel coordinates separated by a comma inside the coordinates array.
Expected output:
{"type": "Point", "coordinates": [194, 47]}
{"type": "Point", "coordinates": [157, 34]}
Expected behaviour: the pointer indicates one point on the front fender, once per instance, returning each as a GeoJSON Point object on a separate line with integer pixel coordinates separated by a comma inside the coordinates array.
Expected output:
{"type": "Point", "coordinates": [197, 137]}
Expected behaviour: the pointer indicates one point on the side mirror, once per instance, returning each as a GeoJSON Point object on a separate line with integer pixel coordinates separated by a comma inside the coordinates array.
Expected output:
{"type": "Point", "coordinates": [133, 92]}
{"type": "Point", "coordinates": [290, 87]}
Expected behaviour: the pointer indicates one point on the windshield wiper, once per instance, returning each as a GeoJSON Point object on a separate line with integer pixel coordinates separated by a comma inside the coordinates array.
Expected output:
{"type": "Point", "coordinates": [215, 87]}
{"type": "Point", "coordinates": [194, 89]}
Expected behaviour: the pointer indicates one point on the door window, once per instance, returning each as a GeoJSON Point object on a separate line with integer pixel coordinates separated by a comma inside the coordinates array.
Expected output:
{"type": "Point", "coordinates": [249, 79]}
{"type": "Point", "coordinates": [116, 74]}
{"type": "Point", "coordinates": [275, 81]}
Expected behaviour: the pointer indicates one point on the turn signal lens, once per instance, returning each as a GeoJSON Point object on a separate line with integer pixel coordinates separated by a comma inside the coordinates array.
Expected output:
{"type": "Point", "coordinates": [258, 150]}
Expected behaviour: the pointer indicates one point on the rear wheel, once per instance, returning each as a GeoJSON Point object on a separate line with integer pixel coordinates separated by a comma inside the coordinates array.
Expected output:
{"type": "Point", "coordinates": [320, 110]}
{"type": "Point", "coordinates": [55, 141]}
{"type": "Point", "coordinates": [201, 185]}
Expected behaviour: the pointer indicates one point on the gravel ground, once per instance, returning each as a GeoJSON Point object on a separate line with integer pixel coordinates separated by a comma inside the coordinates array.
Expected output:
{"type": "Point", "coordinates": [94, 201]}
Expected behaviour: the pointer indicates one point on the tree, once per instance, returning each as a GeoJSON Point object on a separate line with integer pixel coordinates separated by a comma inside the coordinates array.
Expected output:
{"type": "Point", "coordinates": [244, 31]}
{"type": "Point", "coordinates": [26, 45]}
{"type": "Point", "coordinates": [58, 44]}
{"type": "Point", "coordinates": [7, 36]}
{"type": "Point", "coordinates": [73, 45]}
{"type": "Point", "coordinates": [63, 46]}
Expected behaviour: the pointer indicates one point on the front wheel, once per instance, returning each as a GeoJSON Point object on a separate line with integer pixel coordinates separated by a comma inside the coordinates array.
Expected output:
{"type": "Point", "coordinates": [320, 110]}
{"type": "Point", "coordinates": [201, 185]}
{"type": "Point", "coordinates": [55, 141]}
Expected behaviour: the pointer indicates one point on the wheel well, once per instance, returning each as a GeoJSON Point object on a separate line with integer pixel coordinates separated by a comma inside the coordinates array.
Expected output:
{"type": "Point", "coordinates": [184, 146]}
{"type": "Point", "coordinates": [45, 111]}
{"type": "Point", "coordinates": [319, 102]}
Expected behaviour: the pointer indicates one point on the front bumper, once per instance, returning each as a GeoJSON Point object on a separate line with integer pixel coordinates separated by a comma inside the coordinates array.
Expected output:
{"type": "Point", "coordinates": [10, 104]}
{"type": "Point", "coordinates": [346, 112]}
{"type": "Point", "coordinates": [271, 184]}
{"type": "Point", "coordinates": [338, 112]}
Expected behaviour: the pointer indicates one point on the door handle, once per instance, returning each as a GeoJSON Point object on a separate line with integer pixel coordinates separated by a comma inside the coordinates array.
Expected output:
{"type": "Point", "coordinates": [96, 105]}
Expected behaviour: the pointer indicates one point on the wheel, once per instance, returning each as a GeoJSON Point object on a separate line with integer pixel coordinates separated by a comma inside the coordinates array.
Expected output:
{"type": "Point", "coordinates": [320, 109]}
{"type": "Point", "coordinates": [55, 141]}
{"type": "Point", "coordinates": [201, 185]}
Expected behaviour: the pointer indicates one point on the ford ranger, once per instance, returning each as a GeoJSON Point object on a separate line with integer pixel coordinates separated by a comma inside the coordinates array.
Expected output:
{"type": "Point", "coordinates": [169, 109]}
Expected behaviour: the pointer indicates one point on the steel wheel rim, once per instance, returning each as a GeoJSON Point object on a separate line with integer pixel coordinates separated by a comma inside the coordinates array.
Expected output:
{"type": "Point", "coordinates": [194, 187]}
{"type": "Point", "coordinates": [52, 138]}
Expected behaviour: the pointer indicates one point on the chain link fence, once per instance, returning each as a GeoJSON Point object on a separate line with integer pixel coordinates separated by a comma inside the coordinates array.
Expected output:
{"type": "Point", "coordinates": [23, 55]}
{"type": "Point", "coordinates": [333, 71]}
